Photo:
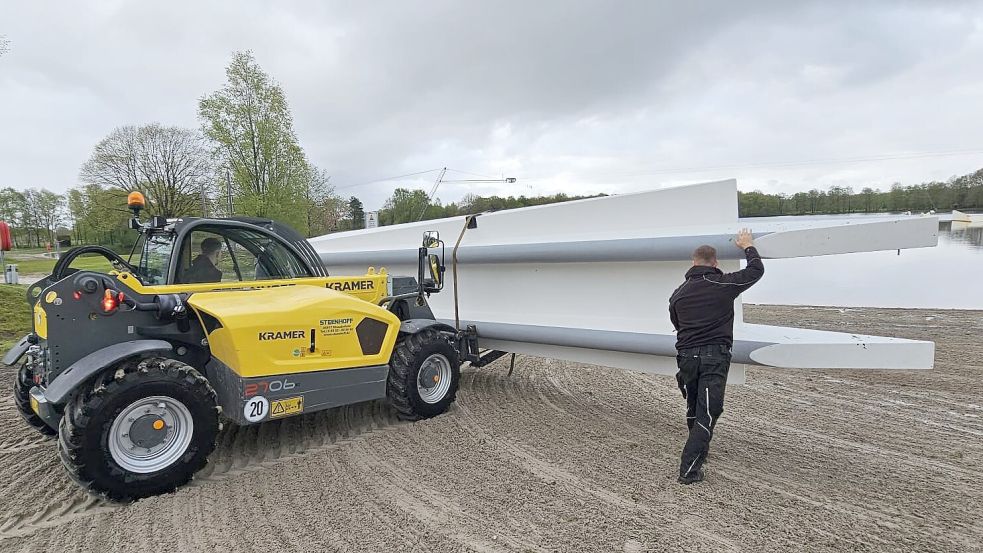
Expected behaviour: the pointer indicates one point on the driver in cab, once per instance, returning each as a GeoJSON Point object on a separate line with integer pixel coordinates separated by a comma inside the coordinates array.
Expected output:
{"type": "Point", "coordinates": [203, 268]}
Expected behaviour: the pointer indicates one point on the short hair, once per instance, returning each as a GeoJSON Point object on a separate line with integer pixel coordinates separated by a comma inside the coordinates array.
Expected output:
{"type": "Point", "coordinates": [210, 245]}
{"type": "Point", "coordinates": [705, 255]}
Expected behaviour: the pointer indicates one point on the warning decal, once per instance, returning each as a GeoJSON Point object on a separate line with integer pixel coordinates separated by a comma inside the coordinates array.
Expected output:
{"type": "Point", "coordinates": [286, 407]}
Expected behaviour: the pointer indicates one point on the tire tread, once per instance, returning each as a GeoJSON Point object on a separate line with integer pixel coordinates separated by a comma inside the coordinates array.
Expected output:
{"type": "Point", "coordinates": [84, 406]}
{"type": "Point", "coordinates": [403, 366]}
{"type": "Point", "coordinates": [22, 400]}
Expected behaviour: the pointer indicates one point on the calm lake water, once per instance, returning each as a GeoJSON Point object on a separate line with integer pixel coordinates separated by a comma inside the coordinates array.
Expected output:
{"type": "Point", "coordinates": [948, 276]}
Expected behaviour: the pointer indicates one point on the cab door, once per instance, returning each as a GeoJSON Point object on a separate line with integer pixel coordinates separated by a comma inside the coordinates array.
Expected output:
{"type": "Point", "coordinates": [220, 253]}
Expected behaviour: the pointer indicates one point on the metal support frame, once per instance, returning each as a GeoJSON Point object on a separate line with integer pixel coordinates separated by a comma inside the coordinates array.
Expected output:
{"type": "Point", "coordinates": [488, 358]}
{"type": "Point", "coordinates": [467, 346]}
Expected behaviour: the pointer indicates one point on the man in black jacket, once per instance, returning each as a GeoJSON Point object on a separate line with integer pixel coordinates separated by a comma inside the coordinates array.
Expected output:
{"type": "Point", "coordinates": [203, 268]}
{"type": "Point", "coordinates": [702, 311]}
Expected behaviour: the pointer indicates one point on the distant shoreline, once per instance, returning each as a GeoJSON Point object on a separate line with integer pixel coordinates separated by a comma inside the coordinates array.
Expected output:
{"type": "Point", "coordinates": [863, 213]}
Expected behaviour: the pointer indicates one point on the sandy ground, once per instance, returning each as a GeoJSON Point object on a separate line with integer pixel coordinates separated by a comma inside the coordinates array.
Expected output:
{"type": "Point", "coordinates": [565, 457]}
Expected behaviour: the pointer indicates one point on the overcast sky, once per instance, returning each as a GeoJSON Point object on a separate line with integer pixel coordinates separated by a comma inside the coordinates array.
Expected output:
{"type": "Point", "coordinates": [578, 97]}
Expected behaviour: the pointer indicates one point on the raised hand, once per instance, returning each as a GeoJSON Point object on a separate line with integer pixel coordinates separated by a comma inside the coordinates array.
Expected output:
{"type": "Point", "coordinates": [744, 239]}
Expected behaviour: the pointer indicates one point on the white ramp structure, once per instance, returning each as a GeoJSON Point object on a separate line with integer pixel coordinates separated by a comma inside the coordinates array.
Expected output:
{"type": "Point", "coordinates": [589, 280]}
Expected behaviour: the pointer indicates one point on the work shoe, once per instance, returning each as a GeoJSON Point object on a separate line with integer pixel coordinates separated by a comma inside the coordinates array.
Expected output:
{"type": "Point", "coordinates": [691, 478]}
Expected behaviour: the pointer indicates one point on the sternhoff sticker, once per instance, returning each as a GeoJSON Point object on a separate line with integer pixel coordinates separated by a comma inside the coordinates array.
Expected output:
{"type": "Point", "coordinates": [256, 408]}
{"type": "Point", "coordinates": [336, 327]}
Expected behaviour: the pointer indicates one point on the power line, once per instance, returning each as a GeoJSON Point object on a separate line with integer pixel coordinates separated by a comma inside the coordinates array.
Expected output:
{"type": "Point", "coordinates": [387, 179]}
{"type": "Point", "coordinates": [477, 180]}
{"type": "Point", "coordinates": [484, 178]}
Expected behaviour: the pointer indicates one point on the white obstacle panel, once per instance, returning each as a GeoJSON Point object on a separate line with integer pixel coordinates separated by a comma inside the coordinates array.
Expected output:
{"type": "Point", "coordinates": [589, 280]}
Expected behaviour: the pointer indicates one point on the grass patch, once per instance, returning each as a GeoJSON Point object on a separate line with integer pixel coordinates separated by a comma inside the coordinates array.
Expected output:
{"type": "Point", "coordinates": [15, 315]}
{"type": "Point", "coordinates": [32, 265]}
{"type": "Point", "coordinates": [36, 265]}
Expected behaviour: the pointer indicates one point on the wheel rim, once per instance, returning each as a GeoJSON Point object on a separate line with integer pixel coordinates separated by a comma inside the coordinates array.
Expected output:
{"type": "Point", "coordinates": [150, 434]}
{"type": "Point", "coordinates": [434, 378]}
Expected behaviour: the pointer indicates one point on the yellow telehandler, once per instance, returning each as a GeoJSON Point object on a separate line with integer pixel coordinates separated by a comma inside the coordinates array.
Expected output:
{"type": "Point", "coordinates": [220, 319]}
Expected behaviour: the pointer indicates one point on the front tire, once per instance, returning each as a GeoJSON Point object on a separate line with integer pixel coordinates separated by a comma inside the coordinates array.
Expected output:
{"type": "Point", "coordinates": [22, 399]}
{"type": "Point", "coordinates": [141, 430]}
{"type": "Point", "coordinates": [424, 373]}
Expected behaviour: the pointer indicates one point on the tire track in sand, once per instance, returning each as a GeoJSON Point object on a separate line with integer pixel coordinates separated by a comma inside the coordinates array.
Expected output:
{"type": "Point", "coordinates": [240, 450]}
{"type": "Point", "coordinates": [282, 443]}
{"type": "Point", "coordinates": [28, 442]}
{"type": "Point", "coordinates": [53, 515]}
{"type": "Point", "coordinates": [528, 392]}
{"type": "Point", "coordinates": [427, 503]}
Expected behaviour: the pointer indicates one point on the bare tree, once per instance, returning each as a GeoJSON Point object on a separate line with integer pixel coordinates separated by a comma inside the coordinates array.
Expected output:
{"type": "Point", "coordinates": [51, 212]}
{"type": "Point", "coordinates": [31, 215]}
{"type": "Point", "coordinates": [171, 165]}
{"type": "Point", "coordinates": [42, 212]}
{"type": "Point", "coordinates": [4, 45]}
{"type": "Point", "coordinates": [114, 160]}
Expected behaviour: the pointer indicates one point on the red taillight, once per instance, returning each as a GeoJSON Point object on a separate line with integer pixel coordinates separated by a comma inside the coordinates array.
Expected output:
{"type": "Point", "coordinates": [109, 302]}
{"type": "Point", "coordinates": [77, 295]}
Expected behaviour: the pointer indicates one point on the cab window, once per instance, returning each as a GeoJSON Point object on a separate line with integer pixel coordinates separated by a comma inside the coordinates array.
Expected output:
{"type": "Point", "coordinates": [151, 255]}
{"type": "Point", "coordinates": [205, 258]}
{"type": "Point", "coordinates": [217, 254]}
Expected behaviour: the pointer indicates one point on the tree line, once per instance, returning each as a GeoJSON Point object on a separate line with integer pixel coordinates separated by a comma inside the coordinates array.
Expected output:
{"type": "Point", "coordinates": [405, 206]}
{"type": "Point", "coordinates": [33, 215]}
{"type": "Point", "coordinates": [962, 192]}
{"type": "Point", "coordinates": [93, 213]}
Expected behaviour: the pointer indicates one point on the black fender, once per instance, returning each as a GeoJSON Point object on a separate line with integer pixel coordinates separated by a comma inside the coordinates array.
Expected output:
{"type": "Point", "coordinates": [61, 387]}
{"type": "Point", "coordinates": [413, 326]}
{"type": "Point", "coordinates": [17, 351]}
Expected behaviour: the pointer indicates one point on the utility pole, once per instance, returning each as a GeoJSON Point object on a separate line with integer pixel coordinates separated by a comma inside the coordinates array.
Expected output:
{"type": "Point", "coordinates": [204, 201]}
{"type": "Point", "coordinates": [228, 190]}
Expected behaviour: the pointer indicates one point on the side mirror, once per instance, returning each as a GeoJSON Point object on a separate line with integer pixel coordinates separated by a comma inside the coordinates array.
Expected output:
{"type": "Point", "coordinates": [430, 263]}
{"type": "Point", "coordinates": [436, 270]}
{"type": "Point", "coordinates": [431, 239]}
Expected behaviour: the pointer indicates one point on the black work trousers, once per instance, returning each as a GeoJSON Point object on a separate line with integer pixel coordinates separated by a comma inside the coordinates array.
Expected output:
{"type": "Point", "coordinates": [702, 378]}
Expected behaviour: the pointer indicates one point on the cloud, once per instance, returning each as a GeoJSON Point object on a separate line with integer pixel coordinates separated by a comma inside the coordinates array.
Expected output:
{"type": "Point", "coordinates": [568, 96]}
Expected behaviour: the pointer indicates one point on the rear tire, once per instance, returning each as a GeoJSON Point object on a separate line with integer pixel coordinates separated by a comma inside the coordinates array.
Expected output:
{"type": "Point", "coordinates": [182, 421]}
{"type": "Point", "coordinates": [22, 399]}
{"type": "Point", "coordinates": [424, 373]}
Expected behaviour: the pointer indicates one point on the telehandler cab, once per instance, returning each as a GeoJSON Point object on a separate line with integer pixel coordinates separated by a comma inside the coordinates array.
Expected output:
{"type": "Point", "coordinates": [213, 320]}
